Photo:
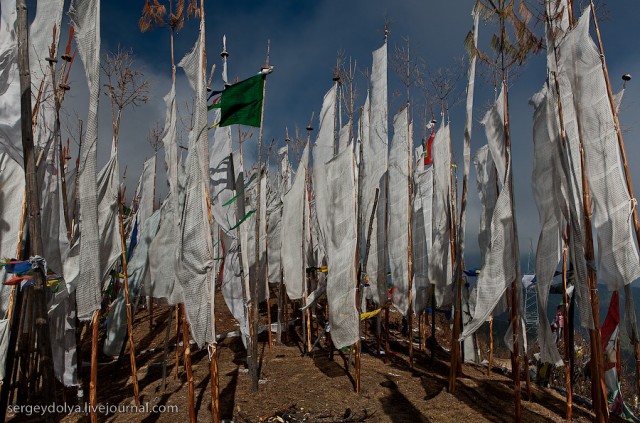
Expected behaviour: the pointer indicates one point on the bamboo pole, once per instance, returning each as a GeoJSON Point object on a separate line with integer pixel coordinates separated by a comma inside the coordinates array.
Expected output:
{"type": "Point", "coordinates": [285, 309]}
{"type": "Point", "coordinates": [410, 235]}
{"type": "Point", "coordinates": [455, 365]}
{"type": "Point", "coordinates": [627, 174]}
{"type": "Point", "coordinates": [567, 346]}
{"type": "Point", "coordinates": [177, 312]}
{"type": "Point", "coordinates": [597, 382]}
{"type": "Point", "coordinates": [74, 209]}
{"type": "Point", "coordinates": [254, 316]}
{"type": "Point", "coordinates": [490, 345]}
{"type": "Point", "coordinates": [11, 353]}
{"type": "Point", "coordinates": [150, 313]}
{"type": "Point", "coordinates": [386, 336]}
{"type": "Point", "coordinates": [387, 349]}
{"type": "Point", "coordinates": [21, 371]}
{"type": "Point", "coordinates": [187, 366]}
{"type": "Point", "coordinates": [308, 275]}
{"type": "Point", "coordinates": [33, 208]}
{"type": "Point", "coordinates": [58, 103]}
{"type": "Point", "coordinates": [597, 375]}
{"type": "Point", "coordinates": [132, 351]}
{"type": "Point", "coordinates": [215, 404]}
{"type": "Point", "coordinates": [270, 335]}
{"type": "Point", "coordinates": [359, 268]}
{"type": "Point", "coordinates": [93, 381]}
{"type": "Point", "coordinates": [514, 284]}
{"type": "Point", "coordinates": [304, 315]}
{"type": "Point", "coordinates": [166, 351]}
{"type": "Point", "coordinates": [281, 315]}
{"type": "Point", "coordinates": [458, 238]}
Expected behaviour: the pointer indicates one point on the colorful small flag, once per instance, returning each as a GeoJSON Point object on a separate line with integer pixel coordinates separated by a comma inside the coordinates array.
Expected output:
{"type": "Point", "coordinates": [214, 97]}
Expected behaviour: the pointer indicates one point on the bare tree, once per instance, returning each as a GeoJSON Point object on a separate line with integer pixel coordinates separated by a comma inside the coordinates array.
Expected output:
{"type": "Point", "coordinates": [154, 137]}
{"type": "Point", "coordinates": [405, 67]}
{"type": "Point", "coordinates": [348, 75]}
{"type": "Point", "coordinates": [125, 86]}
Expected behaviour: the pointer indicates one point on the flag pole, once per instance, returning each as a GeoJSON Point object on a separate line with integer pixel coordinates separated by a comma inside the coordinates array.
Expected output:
{"type": "Point", "coordinates": [93, 381]}
{"type": "Point", "coordinates": [177, 312]}
{"type": "Point", "coordinates": [253, 369]}
{"type": "Point", "coordinates": [360, 268]}
{"type": "Point", "coordinates": [458, 259]}
{"type": "Point", "coordinates": [387, 347]}
{"type": "Point", "coordinates": [307, 279]}
{"type": "Point", "coordinates": [33, 210]}
{"type": "Point", "coordinates": [132, 352]}
{"type": "Point", "coordinates": [306, 317]}
{"type": "Point", "coordinates": [455, 364]}
{"type": "Point", "coordinates": [597, 376]}
{"type": "Point", "coordinates": [623, 155]}
{"type": "Point", "coordinates": [266, 271]}
{"type": "Point", "coordinates": [565, 300]}
{"type": "Point", "coordinates": [187, 365]}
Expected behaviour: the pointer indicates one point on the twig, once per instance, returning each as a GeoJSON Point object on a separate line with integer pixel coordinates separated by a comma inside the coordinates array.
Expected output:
{"type": "Point", "coordinates": [274, 413]}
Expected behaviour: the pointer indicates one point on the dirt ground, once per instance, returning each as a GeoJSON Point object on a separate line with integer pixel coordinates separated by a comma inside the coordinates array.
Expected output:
{"type": "Point", "coordinates": [311, 388]}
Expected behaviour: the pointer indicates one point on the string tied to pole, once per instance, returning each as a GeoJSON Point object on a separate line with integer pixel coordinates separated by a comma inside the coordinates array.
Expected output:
{"type": "Point", "coordinates": [38, 262]}
{"type": "Point", "coordinates": [633, 203]}
{"type": "Point", "coordinates": [210, 351]}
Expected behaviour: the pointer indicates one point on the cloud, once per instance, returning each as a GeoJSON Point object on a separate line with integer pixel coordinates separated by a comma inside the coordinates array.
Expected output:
{"type": "Point", "coordinates": [305, 38]}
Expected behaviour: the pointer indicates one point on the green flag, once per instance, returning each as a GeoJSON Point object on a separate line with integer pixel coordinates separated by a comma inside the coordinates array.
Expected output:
{"type": "Point", "coordinates": [241, 103]}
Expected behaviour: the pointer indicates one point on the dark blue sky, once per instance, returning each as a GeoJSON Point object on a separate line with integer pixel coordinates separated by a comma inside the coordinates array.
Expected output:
{"type": "Point", "coordinates": [305, 37]}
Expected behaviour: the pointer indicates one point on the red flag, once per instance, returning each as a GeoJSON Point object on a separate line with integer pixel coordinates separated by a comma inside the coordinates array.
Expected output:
{"type": "Point", "coordinates": [611, 322]}
{"type": "Point", "coordinates": [428, 157]}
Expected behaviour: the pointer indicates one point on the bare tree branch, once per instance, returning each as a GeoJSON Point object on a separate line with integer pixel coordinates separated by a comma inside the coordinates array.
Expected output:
{"type": "Point", "coordinates": [125, 86]}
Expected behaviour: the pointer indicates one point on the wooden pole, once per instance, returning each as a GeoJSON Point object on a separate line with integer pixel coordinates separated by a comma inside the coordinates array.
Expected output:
{"type": "Point", "coordinates": [455, 364]}
{"type": "Point", "coordinates": [307, 276]}
{"type": "Point", "coordinates": [567, 345]}
{"type": "Point", "coordinates": [386, 336]}
{"type": "Point", "coordinates": [623, 155]}
{"type": "Point", "coordinates": [490, 345]}
{"type": "Point", "coordinates": [93, 381]}
{"type": "Point", "coordinates": [187, 366]}
{"type": "Point", "coordinates": [11, 353]}
{"type": "Point", "coordinates": [74, 210]}
{"type": "Point", "coordinates": [285, 309]}
{"type": "Point", "coordinates": [213, 363]}
{"type": "Point", "coordinates": [268, 290]}
{"type": "Point", "coordinates": [303, 314]}
{"type": "Point", "coordinates": [597, 374]}
{"type": "Point", "coordinates": [410, 234]}
{"type": "Point", "coordinates": [33, 210]}
{"type": "Point", "coordinates": [58, 96]}
{"type": "Point", "coordinates": [150, 313]}
{"type": "Point", "coordinates": [254, 315]}
{"type": "Point", "coordinates": [281, 315]}
{"type": "Point", "coordinates": [132, 350]}
{"type": "Point", "coordinates": [514, 284]}
{"type": "Point", "coordinates": [433, 321]}
{"type": "Point", "coordinates": [165, 353]}
{"type": "Point", "coordinates": [359, 268]}
{"type": "Point", "coordinates": [178, 354]}
{"type": "Point", "coordinates": [387, 349]}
